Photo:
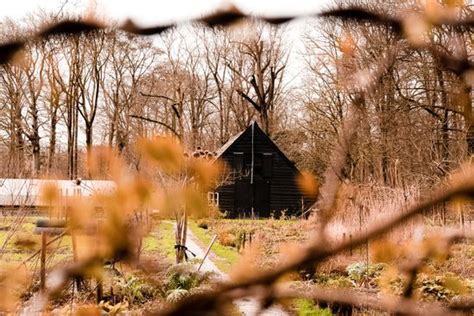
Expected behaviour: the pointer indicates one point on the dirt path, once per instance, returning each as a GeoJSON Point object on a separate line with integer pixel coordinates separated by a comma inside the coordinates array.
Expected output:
{"type": "Point", "coordinates": [247, 306]}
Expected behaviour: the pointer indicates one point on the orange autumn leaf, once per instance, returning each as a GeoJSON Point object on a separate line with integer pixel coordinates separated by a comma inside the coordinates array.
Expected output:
{"type": "Point", "coordinates": [308, 184]}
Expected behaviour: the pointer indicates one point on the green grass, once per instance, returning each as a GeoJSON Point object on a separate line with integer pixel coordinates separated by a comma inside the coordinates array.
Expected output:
{"type": "Point", "coordinates": [305, 307]}
{"type": "Point", "coordinates": [161, 240]}
{"type": "Point", "coordinates": [227, 256]}
{"type": "Point", "coordinates": [151, 244]}
{"type": "Point", "coordinates": [166, 240]}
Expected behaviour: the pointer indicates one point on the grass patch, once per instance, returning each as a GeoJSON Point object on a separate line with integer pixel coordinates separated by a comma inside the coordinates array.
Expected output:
{"type": "Point", "coordinates": [151, 244]}
{"type": "Point", "coordinates": [166, 240]}
{"type": "Point", "coordinates": [227, 256]}
{"type": "Point", "coordinates": [160, 240]}
{"type": "Point", "coordinates": [305, 307]}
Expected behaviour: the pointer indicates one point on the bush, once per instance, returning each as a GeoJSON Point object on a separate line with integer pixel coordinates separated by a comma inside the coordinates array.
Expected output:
{"type": "Point", "coordinates": [333, 280]}
{"type": "Point", "coordinates": [181, 278]}
{"type": "Point", "coordinates": [226, 238]}
{"type": "Point", "coordinates": [438, 288]}
{"type": "Point", "coordinates": [363, 273]}
{"type": "Point", "coordinates": [133, 289]}
{"type": "Point", "coordinates": [176, 295]}
{"type": "Point", "coordinates": [433, 289]}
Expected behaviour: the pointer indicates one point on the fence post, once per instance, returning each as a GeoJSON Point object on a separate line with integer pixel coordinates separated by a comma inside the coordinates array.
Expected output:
{"type": "Point", "coordinates": [100, 291]}
{"type": "Point", "coordinates": [43, 261]}
{"type": "Point", "coordinates": [350, 241]}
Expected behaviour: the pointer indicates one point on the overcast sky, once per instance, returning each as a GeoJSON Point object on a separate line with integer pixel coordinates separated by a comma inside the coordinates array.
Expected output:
{"type": "Point", "coordinates": [156, 11]}
{"type": "Point", "coordinates": [152, 12]}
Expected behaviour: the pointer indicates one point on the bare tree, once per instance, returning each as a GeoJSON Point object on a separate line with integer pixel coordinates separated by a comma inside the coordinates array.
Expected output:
{"type": "Point", "coordinates": [53, 99]}
{"type": "Point", "coordinates": [96, 58]}
{"type": "Point", "coordinates": [130, 60]}
{"type": "Point", "coordinates": [13, 127]}
{"type": "Point", "coordinates": [264, 64]}
{"type": "Point", "coordinates": [34, 66]}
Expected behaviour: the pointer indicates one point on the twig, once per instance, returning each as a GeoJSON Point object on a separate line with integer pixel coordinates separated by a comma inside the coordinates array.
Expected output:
{"type": "Point", "coordinates": [47, 244]}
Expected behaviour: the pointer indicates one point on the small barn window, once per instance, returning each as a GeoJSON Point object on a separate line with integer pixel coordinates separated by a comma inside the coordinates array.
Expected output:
{"type": "Point", "coordinates": [213, 198]}
{"type": "Point", "coordinates": [267, 164]}
{"type": "Point", "coordinates": [238, 161]}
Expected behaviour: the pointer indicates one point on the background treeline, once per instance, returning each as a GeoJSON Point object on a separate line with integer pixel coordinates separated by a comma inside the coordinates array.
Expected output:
{"type": "Point", "coordinates": [67, 94]}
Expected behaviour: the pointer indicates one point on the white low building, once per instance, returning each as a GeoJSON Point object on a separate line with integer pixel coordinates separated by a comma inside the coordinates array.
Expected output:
{"type": "Point", "coordinates": [25, 193]}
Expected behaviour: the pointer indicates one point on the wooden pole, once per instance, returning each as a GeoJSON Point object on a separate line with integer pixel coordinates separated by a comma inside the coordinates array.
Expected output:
{"type": "Point", "coordinates": [207, 251]}
{"type": "Point", "coordinates": [350, 241]}
{"type": "Point", "coordinates": [43, 261]}
{"type": "Point", "coordinates": [74, 246]}
{"type": "Point", "coordinates": [100, 291]}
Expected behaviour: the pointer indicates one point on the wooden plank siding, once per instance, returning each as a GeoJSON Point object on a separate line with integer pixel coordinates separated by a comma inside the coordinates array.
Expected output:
{"type": "Point", "coordinates": [274, 189]}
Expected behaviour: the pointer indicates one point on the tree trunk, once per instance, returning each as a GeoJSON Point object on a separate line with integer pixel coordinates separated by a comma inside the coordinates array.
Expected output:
{"type": "Point", "coordinates": [52, 144]}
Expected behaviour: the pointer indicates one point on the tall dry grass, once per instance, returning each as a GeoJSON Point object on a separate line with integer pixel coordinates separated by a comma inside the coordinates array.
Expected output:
{"type": "Point", "coordinates": [360, 206]}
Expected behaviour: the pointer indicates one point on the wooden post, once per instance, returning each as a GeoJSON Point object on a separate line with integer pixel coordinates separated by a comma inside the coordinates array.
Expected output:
{"type": "Point", "coordinates": [100, 291]}
{"type": "Point", "coordinates": [76, 280]}
{"type": "Point", "coordinates": [43, 261]}
{"type": "Point", "coordinates": [443, 218]}
{"type": "Point", "coordinates": [360, 226]}
{"type": "Point", "coordinates": [45, 228]}
{"type": "Point", "coordinates": [207, 251]}
{"type": "Point", "coordinates": [72, 295]}
{"type": "Point", "coordinates": [350, 241]}
{"type": "Point", "coordinates": [74, 246]}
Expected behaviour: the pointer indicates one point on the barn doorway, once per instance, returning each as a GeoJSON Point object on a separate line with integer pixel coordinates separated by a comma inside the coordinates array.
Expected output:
{"type": "Point", "coordinates": [256, 196]}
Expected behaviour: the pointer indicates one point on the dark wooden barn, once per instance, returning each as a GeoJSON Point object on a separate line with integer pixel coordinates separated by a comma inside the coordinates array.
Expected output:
{"type": "Point", "coordinates": [261, 180]}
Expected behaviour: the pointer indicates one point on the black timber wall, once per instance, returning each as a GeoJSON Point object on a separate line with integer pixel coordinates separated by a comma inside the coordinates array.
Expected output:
{"type": "Point", "coordinates": [281, 187]}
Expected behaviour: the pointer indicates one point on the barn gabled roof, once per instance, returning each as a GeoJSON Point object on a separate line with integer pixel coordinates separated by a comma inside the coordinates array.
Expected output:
{"type": "Point", "coordinates": [221, 151]}
{"type": "Point", "coordinates": [229, 143]}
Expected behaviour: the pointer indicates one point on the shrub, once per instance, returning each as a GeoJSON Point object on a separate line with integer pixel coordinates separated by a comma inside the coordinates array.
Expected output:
{"type": "Point", "coordinates": [362, 273]}
{"type": "Point", "coordinates": [333, 280]}
{"type": "Point", "coordinates": [176, 295]}
{"type": "Point", "coordinates": [439, 288]}
{"type": "Point", "coordinates": [184, 276]}
{"type": "Point", "coordinates": [133, 289]}
{"type": "Point", "coordinates": [433, 289]}
{"type": "Point", "coordinates": [227, 239]}
{"type": "Point", "coordinates": [340, 281]}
